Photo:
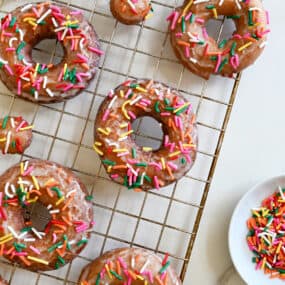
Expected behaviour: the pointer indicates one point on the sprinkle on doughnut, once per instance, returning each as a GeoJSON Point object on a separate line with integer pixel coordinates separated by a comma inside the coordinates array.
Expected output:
{"type": "Point", "coordinates": [266, 236]}
{"type": "Point", "coordinates": [26, 26]}
{"type": "Point", "coordinates": [41, 225]}
{"type": "Point", "coordinates": [142, 168]}
{"type": "Point", "coordinates": [200, 53]}
{"type": "Point", "coordinates": [129, 266]}
{"type": "Point", "coordinates": [15, 135]}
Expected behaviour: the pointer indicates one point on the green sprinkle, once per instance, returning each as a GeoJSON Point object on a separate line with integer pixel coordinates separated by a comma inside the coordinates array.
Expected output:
{"type": "Point", "coordinates": [134, 153]}
{"type": "Point", "coordinates": [81, 242]}
{"type": "Point", "coordinates": [109, 162]}
{"type": "Point", "coordinates": [183, 160]}
{"type": "Point", "coordinates": [166, 101]}
{"type": "Point", "coordinates": [156, 107]}
{"type": "Point", "coordinates": [73, 26]}
{"type": "Point", "coordinates": [233, 17]}
{"type": "Point", "coordinates": [192, 18]}
{"type": "Point", "coordinates": [89, 198]}
{"type": "Point", "coordinates": [214, 57]}
{"type": "Point", "coordinates": [19, 49]}
{"type": "Point", "coordinates": [147, 178]}
{"type": "Point", "coordinates": [13, 21]}
{"type": "Point", "coordinates": [210, 7]}
{"type": "Point", "coordinates": [143, 164]}
{"type": "Point", "coordinates": [55, 246]}
{"type": "Point", "coordinates": [26, 229]}
{"type": "Point", "coordinates": [224, 62]}
{"type": "Point", "coordinates": [282, 271]}
{"type": "Point", "coordinates": [19, 246]}
{"type": "Point", "coordinates": [134, 85]}
{"type": "Point", "coordinates": [13, 144]}
{"type": "Point", "coordinates": [1, 64]}
{"type": "Point", "coordinates": [250, 20]}
{"type": "Point", "coordinates": [164, 268]}
{"type": "Point", "coordinates": [98, 279]}
{"type": "Point", "coordinates": [251, 233]}
{"type": "Point", "coordinates": [222, 43]}
{"type": "Point", "coordinates": [183, 26]}
{"type": "Point", "coordinates": [234, 45]}
{"type": "Point", "coordinates": [182, 110]}
{"type": "Point", "coordinates": [58, 192]}
{"type": "Point", "coordinates": [169, 108]}
{"type": "Point", "coordinates": [5, 121]}
{"type": "Point", "coordinates": [116, 275]}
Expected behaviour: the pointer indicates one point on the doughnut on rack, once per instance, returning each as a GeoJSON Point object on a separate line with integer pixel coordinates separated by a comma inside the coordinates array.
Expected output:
{"type": "Point", "coordinates": [64, 133]}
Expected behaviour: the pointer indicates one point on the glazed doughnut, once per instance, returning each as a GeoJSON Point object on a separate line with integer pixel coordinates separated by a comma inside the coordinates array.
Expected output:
{"type": "Point", "coordinates": [3, 281]}
{"type": "Point", "coordinates": [130, 12]}
{"type": "Point", "coordinates": [45, 215]}
{"type": "Point", "coordinates": [15, 135]}
{"type": "Point", "coordinates": [129, 266]}
{"type": "Point", "coordinates": [142, 168]}
{"type": "Point", "coordinates": [24, 28]}
{"type": "Point", "coordinates": [200, 53]}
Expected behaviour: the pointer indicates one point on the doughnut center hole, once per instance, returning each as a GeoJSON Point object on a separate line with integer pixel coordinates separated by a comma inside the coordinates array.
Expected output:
{"type": "Point", "coordinates": [220, 31]}
{"type": "Point", "coordinates": [37, 216]}
{"type": "Point", "coordinates": [148, 132]}
{"type": "Point", "coordinates": [48, 51]}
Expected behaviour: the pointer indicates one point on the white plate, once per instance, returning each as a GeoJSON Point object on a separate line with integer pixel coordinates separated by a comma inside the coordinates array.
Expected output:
{"type": "Point", "coordinates": [239, 251]}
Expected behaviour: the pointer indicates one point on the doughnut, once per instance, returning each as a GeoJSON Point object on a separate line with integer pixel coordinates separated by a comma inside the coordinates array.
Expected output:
{"type": "Point", "coordinates": [15, 135]}
{"type": "Point", "coordinates": [28, 25]}
{"type": "Point", "coordinates": [129, 266]}
{"type": "Point", "coordinates": [3, 281]}
{"type": "Point", "coordinates": [130, 12]}
{"type": "Point", "coordinates": [202, 54]}
{"type": "Point", "coordinates": [45, 215]}
{"type": "Point", "coordinates": [142, 168]}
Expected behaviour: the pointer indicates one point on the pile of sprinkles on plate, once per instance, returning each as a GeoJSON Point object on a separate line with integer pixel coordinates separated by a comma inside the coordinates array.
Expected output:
{"type": "Point", "coordinates": [266, 236]}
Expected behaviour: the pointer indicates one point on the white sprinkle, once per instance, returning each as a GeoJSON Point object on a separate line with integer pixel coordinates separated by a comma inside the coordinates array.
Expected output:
{"type": "Point", "coordinates": [7, 141]}
{"type": "Point", "coordinates": [262, 45]}
{"type": "Point", "coordinates": [49, 92]}
{"type": "Point", "coordinates": [122, 139]}
{"type": "Point", "coordinates": [59, 29]}
{"type": "Point", "coordinates": [192, 59]}
{"type": "Point", "coordinates": [11, 41]}
{"type": "Point", "coordinates": [255, 9]}
{"type": "Point", "coordinates": [12, 121]}
{"type": "Point", "coordinates": [238, 5]}
{"type": "Point", "coordinates": [70, 193]}
{"type": "Point", "coordinates": [64, 34]}
{"type": "Point", "coordinates": [36, 95]}
{"type": "Point", "coordinates": [131, 5]}
{"type": "Point", "coordinates": [133, 262]}
{"type": "Point", "coordinates": [81, 43]}
{"type": "Point", "coordinates": [21, 34]}
{"type": "Point", "coordinates": [221, 2]}
{"type": "Point", "coordinates": [54, 22]}
{"type": "Point", "coordinates": [54, 211]}
{"type": "Point", "coordinates": [12, 231]}
{"type": "Point", "coordinates": [9, 194]}
{"type": "Point", "coordinates": [44, 16]}
{"type": "Point", "coordinates": [22, 235]}
{"type": "Point", "coordinates": [24, 182]}
{"type": "Point", "coordinates": [27, 7]}
{"type": "Point", "coordinates": [142, 178]}
{"type": "Point", "coordinates": [112, 102]}
{"type": "Point", "coordinates": [45, 82]}
{"type": "Point", "coordinates": [144, 266]}
{"type": "Point", "coordinates": [49, 206]}
{"type": "Point", "coordinates": [26, 165]}
{"type": "Point", "coordinates": [38, 234]}
{"type": "Point", "coordinates": [3, 61]}
{"type": "Point", "coordinates": [136, 100]}
{"type": "Point", "coordinates": [281, 193]}
{"type": "Point", "coordinates": [200, 1]}
{"type": "Point", "coordinates": [27, 64]}
{"type": "Point", "coordinates": [29, 239]}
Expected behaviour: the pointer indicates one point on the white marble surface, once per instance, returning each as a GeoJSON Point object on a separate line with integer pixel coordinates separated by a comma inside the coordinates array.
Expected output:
{"type": "Point", "coordinates": [253, 150]}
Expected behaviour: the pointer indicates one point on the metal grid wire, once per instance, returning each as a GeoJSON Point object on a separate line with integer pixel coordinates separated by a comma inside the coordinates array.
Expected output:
{"type": "Point", "coordinates": [108, 205]}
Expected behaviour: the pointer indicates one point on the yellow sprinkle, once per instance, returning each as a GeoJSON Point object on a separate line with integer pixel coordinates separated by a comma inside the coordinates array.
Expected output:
{"type": "Point", "coordinates": [21, 184]}
{"type": "Point", "coordinates": [140, 277]}
{"type": "Point", "coordinates": [38, 260]}
{"type": "Point", "coordinates": [163, 163]}
{"type": "Point", "coordinates": [279, 247]}
{"type": "Point", "coordinates": [22, 168]}
{"type": "Point", "coordinates": [36, 69]}
{"type": "Point", "coordinates": [126, 134]}
{"type": "Point", "coordinates": [189, 145]}
{"type": "Point", "coordinates": [145, 148]}
{"type": "Point", "coordinates": [245, 46]}
{"type": "Point", "coordinates": [33, 200]}
{"type": "Point", "coordinates": [174, 153]}
{"type": "Point", "coordinates": [148, 16]}
{"type": "Point", "coordinates": [120, 150]}
{"type": "Point", "coordinates": [109, 169]}
{"type": "Point", "coordinates": [255, 213]}
{"type": "Point", "coordinates": [141, 89]}
{"type": "Point", "coordinates": [187, 7]}
{"type": "Point", "coordinates": [124, 125]}
{"type": "Point", "coordinates": [6, 237]}
{"type": "Point", "coordinates": [64, 68]}
{"type": "Point", "coordinates": [3, 140]}
{"type": "Point", "coordinates": [124, 109]}
{"type": "Point", "coordinates": [105, 132]}
{"type": "Point", "coordinates": [122, 93]}
{"type": "Point", "coordinates": [27, 128]}
{"type": "Point", "coordinates": [60, 201]}
{"type": "Point", "coordinates": [263, 263]}
{"type": "Point", "coordinates": [281, 201]}
{"type": "Point", "coordinates": [27, 19]}
{"type": "Point", "coordinates": [98, 143]}
{"type": "Point", "coordinates": [32, 23]}
{"type": "Point", "coordinates": [6, 240]}
{"type": "Point", "coordinates": [215, 13]}
{"type": "Point", "coordinates": [35, 181]}
{"type": "Point", "coordinates": [108, 271]}
{"type": "Point", "coordinates": [180, 108]}
{"type": "Point", "coordinates": [97, 150]}
{"type": "Point", "coordinates": [145, 282]}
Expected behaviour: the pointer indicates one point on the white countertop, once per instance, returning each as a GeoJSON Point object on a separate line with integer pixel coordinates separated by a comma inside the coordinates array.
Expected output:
{"type": "Point", "coordinates": [253, 149]}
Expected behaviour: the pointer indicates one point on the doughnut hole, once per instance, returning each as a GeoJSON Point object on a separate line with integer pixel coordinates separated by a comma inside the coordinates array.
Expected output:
{"type": "Point", "coordinates": [38, 215]}
{"type": "Point", "coordinates": [48, 51]}
{"type": "Point", "coordinates": [148, 132]}
{"type": "Point", "coordinates": [213, 28]}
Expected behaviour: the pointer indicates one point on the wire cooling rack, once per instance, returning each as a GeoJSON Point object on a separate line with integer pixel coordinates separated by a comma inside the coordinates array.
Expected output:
{"type": "Point", "coordinates": [162, 221]}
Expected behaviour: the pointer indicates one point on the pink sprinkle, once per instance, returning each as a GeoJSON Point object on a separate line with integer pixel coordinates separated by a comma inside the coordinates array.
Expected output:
{"type": "Point", "coordinates": [82, 57]}
{"type": "Point", "coordinates": [172, 165]}
{"type": "Point", "coordinates": [68, 87]}
{"type": "Point", "coordinates": [79, 77]}
{"type": "Point", "coordinates": [95, 50]}
{"type": "Point", "coordinates": [20, 253]}
{"type": "Point", "coordinates": [55, 8]}
{"type": "Point", "coordinates": [54, 237]}
{"type": "Point", "coordinates": [123, 264]}
{"type": "Point", "coordinates": [132, 115]}
{"type": "Point", "coordinates": [187, 51]}
{"type": "Point", "coordinates": [60, 76]}
{"type": "Point", "coordinates": [166, 140]}
{"type": "Point", "coordinates": [219, 61]}
{"type": "Point", "coordinates": [122, 154]}
{"type": "Point", "coordinates": [8, 68]}
{"type": "Point", "coordinates": [19, 88]}
{"type": "Point", "coordinates": [36, 12]}
{"type": "Point", "coordinates": [20, 126]}
{"type": "Point", "coordinates": [106, 114]}
{"type": "Point", "coordinates": [174, 20]}
{"type": "Point", "coordinates": [200, 21]}
{"type": "Point", "coordinates": [76, 12]}
{"type": "Point", "coordinates": [28, 171]}
{"type": "Point", "coordinates": [35, 250]}
{"type": "Point", "coordinates": [128, 93]}
{"type": "Point", "coordinates": [234, 61]}
{"type": "Point", "coordinates": [165, 114]}
{"type": "Point", "coordinates": [150, 276]}
{"type": "Point", "coordinates": [267, 18]}
{"type": "Point", "coordinates": [156, 183]}
{"type": "Point", "coordinates": [130, 180]}
{"type": "Point", "coordinates": [115, 176]}
{"type": "Point", "coordinates": [10, 49]}
{"type": "Point", "coordinates": [205, 34]}
{"type": "Point", "coordinates": [178, 35]}
{"type": "Point", "coordinates": [237, 36]}
{"type": "Point", "coordinates": [157, 165]}
{"type": "Point", "coordinates": [188, 16]}
{"type": "Point", "coordinates": [172, 147]}
{"type": "Point", "coordinates": [1, 198]}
